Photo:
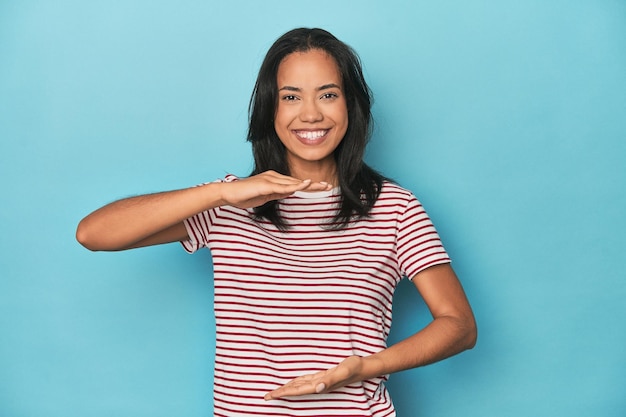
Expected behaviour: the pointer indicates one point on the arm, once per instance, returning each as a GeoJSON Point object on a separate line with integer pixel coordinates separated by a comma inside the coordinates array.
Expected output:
{"type": "Point", "coordinates": [146, 219]}
{"type": "Point", "coordinates": [158, 218]}
{"type": "Point", "coordinates": [451, 331]}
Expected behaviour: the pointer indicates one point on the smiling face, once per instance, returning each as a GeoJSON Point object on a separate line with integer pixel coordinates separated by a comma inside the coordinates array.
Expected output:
{"type": "Point", "coordinates": [311, 114]}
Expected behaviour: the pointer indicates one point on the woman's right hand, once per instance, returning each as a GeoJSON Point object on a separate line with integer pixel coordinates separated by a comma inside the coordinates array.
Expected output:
{"type": "Point", "coordinates": [259, 189]}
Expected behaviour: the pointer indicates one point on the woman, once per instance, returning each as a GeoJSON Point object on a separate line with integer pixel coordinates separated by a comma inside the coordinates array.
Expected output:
{"type": "Point", "coordinates": [307, 251]}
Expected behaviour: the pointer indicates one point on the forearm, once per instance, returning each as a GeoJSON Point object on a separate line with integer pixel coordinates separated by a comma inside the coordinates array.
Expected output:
{"type": "Point", "coordinates": [444, 337]}
{"type": "Point", "coordinates": [452, 330]}
{"type": "Point", "coordinates": [157, 218]}
{"type": "Point", "coordinates": [123, 223]}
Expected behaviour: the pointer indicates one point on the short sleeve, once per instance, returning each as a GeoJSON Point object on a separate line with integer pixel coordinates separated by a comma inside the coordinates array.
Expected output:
{"type": "Point", "coordinates": [418, 243]}
{"type": "Point", "coordinates": [198, 226]}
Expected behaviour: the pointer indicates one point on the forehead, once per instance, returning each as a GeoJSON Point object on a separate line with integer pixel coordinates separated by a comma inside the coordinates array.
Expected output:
{"type": "Point", "coordinates": [310, 67]}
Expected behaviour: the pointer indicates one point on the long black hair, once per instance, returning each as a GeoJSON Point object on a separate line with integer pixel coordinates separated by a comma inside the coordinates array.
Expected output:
{"type": "Point", "coordinates": [360, 185]}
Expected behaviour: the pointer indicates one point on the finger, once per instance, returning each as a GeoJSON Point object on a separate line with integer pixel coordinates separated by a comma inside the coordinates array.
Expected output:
{"type": "Point", "coordinates": [286, 190]}
{"type": "Point", "coordinates": [312, 387]}
{"type": "Point", "coordinates": [276, 190]}
{"type": "Point", "coordinates": [307, 384]}
{"type": "Point", "coordinates": [291, 391]}
{"type": "Point", "coordinates": [314, 187]}
{"type": "Point", "coordinates": [286, 179]}
{"type": "Point", "coordinates": [273, 175]}
{"type": "Point", "coordinates": [319, 186]}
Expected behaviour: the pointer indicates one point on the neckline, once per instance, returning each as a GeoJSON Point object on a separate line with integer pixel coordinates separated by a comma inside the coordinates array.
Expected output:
{"type": "Point", "coordinates": [317, 194]}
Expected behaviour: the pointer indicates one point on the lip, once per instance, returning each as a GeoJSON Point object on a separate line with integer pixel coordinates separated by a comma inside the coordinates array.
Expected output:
{"type": "Point", "coordinates": [311, 136]}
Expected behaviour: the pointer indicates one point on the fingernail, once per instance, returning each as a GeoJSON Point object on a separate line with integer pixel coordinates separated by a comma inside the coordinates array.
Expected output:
{"type": "Point", "coordinates": [323, 183]}
{"type": "Point", "coordinates": [320, 387]}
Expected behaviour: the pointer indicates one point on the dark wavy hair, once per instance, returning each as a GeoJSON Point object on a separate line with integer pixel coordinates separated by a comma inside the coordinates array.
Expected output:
{"type": "Point", "coordinates": [360, 185]}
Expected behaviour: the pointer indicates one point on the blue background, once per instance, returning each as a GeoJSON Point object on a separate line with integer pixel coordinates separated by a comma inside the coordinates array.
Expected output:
{"type": "Point", "coordinates": [506, 118]}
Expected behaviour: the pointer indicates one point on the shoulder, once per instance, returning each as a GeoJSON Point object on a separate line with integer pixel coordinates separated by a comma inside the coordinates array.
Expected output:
{"type": "Point", "coordinates": [229, 178]}
{"type": "Point", "coordinates": [391, 190]}
{"type": "Point", "coordinates": [394, 200]}
{"type": "Point", "coordinates": [398, 199]}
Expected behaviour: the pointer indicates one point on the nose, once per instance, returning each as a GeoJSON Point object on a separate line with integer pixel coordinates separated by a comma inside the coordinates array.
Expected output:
{"type": "Point", "coordinates": [310, 111]}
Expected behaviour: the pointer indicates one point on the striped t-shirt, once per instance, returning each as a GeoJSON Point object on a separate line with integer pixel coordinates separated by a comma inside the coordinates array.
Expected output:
{"type": "Point", "coordinates": [297, 302]}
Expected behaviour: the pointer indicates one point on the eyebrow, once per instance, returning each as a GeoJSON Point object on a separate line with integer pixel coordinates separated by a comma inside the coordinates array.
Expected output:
{"type": "Point", "coordinates": [323, 87]}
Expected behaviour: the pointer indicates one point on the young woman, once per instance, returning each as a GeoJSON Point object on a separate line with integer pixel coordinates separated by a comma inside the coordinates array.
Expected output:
{"type": "Point", "coordinates": [307, 251]}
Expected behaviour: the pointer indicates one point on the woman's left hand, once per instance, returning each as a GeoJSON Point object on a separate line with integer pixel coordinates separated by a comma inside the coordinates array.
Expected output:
{"type": "Point", "coordinates": [348, 371]}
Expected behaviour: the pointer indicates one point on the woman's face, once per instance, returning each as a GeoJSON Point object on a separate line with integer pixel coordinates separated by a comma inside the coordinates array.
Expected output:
{"type": "Point", "coordinates": [311, 115]}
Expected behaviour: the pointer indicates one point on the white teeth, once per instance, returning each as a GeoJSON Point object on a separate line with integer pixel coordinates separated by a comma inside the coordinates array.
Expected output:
{"type": "Point", "coordinates": [309, 135]}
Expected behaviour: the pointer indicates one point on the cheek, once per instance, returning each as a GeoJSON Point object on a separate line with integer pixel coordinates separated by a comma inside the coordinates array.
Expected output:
{"type": "Point", "coordinates": [344, 119]}
{"type": "Point", "coordinates": [281, 119]}
{"type": "Point", "coordinates": [341, 113]}
{"type": "Point", "coordinates": [281, 125]}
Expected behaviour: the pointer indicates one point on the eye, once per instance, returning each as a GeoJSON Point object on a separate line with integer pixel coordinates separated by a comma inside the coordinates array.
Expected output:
{"type": "Point", "coordinates": [330, 96]}
{"type": "Point", "coordinates": [289, 97]}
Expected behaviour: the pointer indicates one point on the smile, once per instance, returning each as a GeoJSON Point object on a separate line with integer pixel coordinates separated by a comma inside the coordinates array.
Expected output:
{"type": "Point", "coordinates": [311, 135]}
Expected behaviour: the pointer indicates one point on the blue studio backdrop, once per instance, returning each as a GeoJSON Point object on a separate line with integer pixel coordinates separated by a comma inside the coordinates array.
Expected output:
{"type": "Point", "coordinates": [506, 118]}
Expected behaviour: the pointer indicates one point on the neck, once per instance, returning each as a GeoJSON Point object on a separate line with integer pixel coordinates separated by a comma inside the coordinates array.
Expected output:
{"type": "Point", "coordinates": [317, 171]}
